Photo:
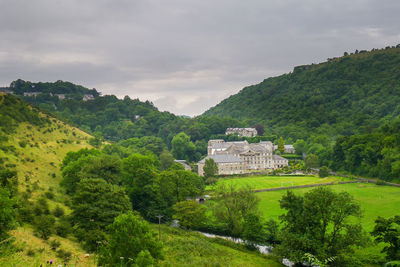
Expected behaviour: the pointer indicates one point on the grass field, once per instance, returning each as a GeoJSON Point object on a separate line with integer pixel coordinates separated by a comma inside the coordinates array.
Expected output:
{"type": "Point", "coordinates": [374, 200]}
{"type": "Point", "coordinates": [261, 182]}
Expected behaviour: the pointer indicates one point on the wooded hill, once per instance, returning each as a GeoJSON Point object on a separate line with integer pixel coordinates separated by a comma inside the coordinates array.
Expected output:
{"type": "Point", "coordinates": [343, 96]}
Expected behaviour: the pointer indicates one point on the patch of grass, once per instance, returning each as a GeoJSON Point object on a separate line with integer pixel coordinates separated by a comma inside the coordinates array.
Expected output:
{"type": "Point", "coordinates": [185, 248]}
{"type": "Point", "coordinates": [261, 182]}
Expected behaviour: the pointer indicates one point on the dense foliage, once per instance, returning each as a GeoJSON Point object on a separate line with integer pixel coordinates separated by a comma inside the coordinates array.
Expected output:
{"type": "Point", "coordinates": [120, 119]}
{"type": "Point", "coordinates": [320, 223]}
{"type": "Point", "coordinates": [343, 96]}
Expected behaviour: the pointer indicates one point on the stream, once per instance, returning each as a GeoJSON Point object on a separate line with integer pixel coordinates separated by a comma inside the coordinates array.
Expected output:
{"type": "Point", "coordinates": [262, 249]}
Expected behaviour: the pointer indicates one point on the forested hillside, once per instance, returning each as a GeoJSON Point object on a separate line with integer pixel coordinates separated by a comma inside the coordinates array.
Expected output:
{"type": "Point", "coordinates": [116, 119]}
{"type": "Point", "coordinates": [343, 96]}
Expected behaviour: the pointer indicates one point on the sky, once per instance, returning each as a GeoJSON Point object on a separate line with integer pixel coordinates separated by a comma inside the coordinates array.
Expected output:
{"type": "Point", "coordinates": [185, 56]}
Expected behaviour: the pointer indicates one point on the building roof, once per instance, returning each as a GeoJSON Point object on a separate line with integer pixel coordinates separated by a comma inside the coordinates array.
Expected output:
{"type": "Point", "coordinates": [277, 157]}
{"type": "Point", "coordinates": [222, 158]}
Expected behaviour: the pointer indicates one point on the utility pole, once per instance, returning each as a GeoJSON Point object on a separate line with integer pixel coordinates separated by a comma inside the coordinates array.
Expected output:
{"type": "Point", "coordinates": [159, 226]}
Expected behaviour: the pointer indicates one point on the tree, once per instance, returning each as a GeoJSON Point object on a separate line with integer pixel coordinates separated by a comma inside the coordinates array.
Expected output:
{"type": "Point", "coordinates": [232, 206]}
{"type": "Point", "coordinates": [7, 213]}
{"type": "Point", "coordinates": [281, 145]}
{"type": "Point", "coordinates": [311, 161]}
{"type": "Point", "coordinates": [253, 231]}
{"type": "Point", "coordinates": [102, 166]}
{"type": "Point", "coordinates": [95, 205]}
{"type": "Point", "coordinates": [210, 168]}
{"type": "Point", "coordinates": [139, 177]}
{"type": "Point", "coordinates": [178, 185]}
{"type": "Point", "coordinates": [44, 225]}
{"type": "Point", "coordinates": [130, 240]}
{"type": "Point", "coordinates": [182, 147]}
{"type": "Point", "coordinates": [190, 214]}
{"type": "Point", "coordinates": [323, 172]}
{"type": "Point", "coordinates": [300, 146]}
{"type": "Point", "coordinates": [166, 160]}
{"type": "Point", "coordinates": [388, 231]}
{"type": "Point", "coordinates": [260, 129]}
{"type": "Point", "coordinates": [320, 223]}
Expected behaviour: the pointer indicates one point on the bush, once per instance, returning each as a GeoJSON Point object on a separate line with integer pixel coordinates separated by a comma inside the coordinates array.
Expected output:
{"type": "Point", "coordinates": [22, 143]}
{"type": "Point", "coordinates": [58, 211]}
{"type": "Point", "coordinates": [44, 226]}
{"type": "Point", "coordinates": [65, 255]}
{"type": "Point", "coordinates": [324, 172]}
{"type": "Point", "coordinates": [49, 195]}
{"type": "Point", "coordinates": [30, 253]}
{"type": "Point", "coordinates": [55, 244]}
{"type": "Point", "coordinates": [63, 228]}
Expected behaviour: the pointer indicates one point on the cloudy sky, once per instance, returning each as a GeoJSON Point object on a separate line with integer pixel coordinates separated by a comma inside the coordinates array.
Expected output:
{"type": "Point", "coordinates": [183, 55]}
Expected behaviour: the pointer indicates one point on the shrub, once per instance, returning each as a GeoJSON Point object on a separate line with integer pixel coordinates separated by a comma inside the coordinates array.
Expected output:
{"type": "Point", "coordinates": [63, 228]}
{"type": "Point", "coordinates": [65, 255]}
{"type": "Point", "coordinates": [44, 226]}
{"type": "Point", "coordinates": [58, 211]}
{"type": "Point", "coordinates": [22, 143]}
{"type": "Point", "coordinates": [55, 244]}
{"type": "Point", "coordinates": [323, 172]}
{"type": "Point", "coordinates": [30, 253]}
{"type": "Point", "coordinates": [49, 195]}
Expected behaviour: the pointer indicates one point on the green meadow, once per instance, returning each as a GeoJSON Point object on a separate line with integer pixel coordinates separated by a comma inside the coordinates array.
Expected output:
{"type": "Point", "coordinates": [375, 200]}
{"type": "Point", "coordinates": [261, 182]}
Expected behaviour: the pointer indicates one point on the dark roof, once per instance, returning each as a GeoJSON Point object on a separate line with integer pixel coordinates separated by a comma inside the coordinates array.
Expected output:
{"type": "Point", "coordinates": [222, 158]}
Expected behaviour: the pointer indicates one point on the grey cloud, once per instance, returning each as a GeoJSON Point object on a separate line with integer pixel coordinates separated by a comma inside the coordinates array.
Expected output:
{"type": "Point", "coordinates": [183, 55]}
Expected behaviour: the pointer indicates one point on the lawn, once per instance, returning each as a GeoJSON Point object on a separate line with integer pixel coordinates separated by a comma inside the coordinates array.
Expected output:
{"type": "Point", "coordinates": [374, 200]}
{"type": "Point", "coordinates": [261, 182]}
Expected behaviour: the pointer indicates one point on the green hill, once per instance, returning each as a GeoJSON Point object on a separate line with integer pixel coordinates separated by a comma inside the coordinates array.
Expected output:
{"type": "Point", "coordinates": [33, 144]}
{"type": "Point", "coordinates": [343, 96]}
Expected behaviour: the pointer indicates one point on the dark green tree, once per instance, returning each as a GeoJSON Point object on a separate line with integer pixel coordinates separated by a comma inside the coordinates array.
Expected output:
{"type": "Point", "coordinates": [388, 231]}
{"type": "Point", "coordinates": [210, 168]}
{"type": "Point", "coordinates": [190, 214]}
{"type": "Point", "coordinates": [7, 212]}
{"type": "Point", "coordinates": [182, 147]}
{"type": "Point", "coordinates": [166, 160]}
{"type": "Point", "coordinates": [253, 230]}
{"type": "Point", "coordinates": [311, 161]}
{"type": "Point", "coordinates": [129, 238]}
{"type": "Point", "coordinates": [232, 205]}
{"type": "Point", "coordinates": [320, 223]}
{"type": "Point", "coordinates": [323, 172]}
{"type": "Point", "coordinates": [95, 205]}
{"type": "Point", "coordinates": [281, 145]}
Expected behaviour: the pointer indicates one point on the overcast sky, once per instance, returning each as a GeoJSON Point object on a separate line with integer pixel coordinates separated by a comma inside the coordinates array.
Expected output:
{"type": "Point", "coordinates": [183, 55]}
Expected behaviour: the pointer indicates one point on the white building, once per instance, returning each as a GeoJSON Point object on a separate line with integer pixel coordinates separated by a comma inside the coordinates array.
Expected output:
{"type": "Point", "coordinates": [246, 132]}
{"type": "Point", "coordinates": [242, 157]}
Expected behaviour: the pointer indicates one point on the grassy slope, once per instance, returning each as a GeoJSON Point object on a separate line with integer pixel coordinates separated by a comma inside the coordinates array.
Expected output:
{"type": "Point", "coordinates": [261, 182]}
{"type": "Point", "coordinates": [38, 164]}
{"type": "Point", "coordinates": [184, 248]}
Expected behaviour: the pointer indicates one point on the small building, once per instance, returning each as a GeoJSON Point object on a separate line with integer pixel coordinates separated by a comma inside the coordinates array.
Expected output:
{"type": "Point", "coordinates": [32, 94]}
{"type": "Point", "coordinates": [227, 164]}
{"type": "Point", "coordinates": [289, 149]}
{"type": "Point", "coordinates": [6, 90]}
{"type": "Point", "coordinates": [60, 96]}
{"type": "Point", "coordinates": [87, 97]}
{"type": "Point", "coordinates": [184, 164]}
{"type": "Point", "coordinates": [246, 132]}
{"type": "Point", "coordinates": [280, 162]}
